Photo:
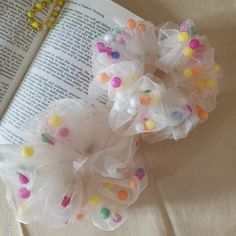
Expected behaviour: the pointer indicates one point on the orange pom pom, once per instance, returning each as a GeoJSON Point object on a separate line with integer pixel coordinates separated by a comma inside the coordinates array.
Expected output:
{"type": "Point", "coordinates": [131, 24]}
{"type": "Point", "coordinates": [133, 183]}
{"type": "Point", "coordinates": [123, 195]}
{"type": "Point", "coordinates": [203, 115]}
{"type": "Point", "coordinates": [79, 216]}
{"type": "Point", "coordinates": [197, 70]}
{"type": "Point", "coordinates": [103, 78]}
{"type": "Point", "coordinates": [142, 27]}
{"type": "Point", "coordinates": [145, 100]}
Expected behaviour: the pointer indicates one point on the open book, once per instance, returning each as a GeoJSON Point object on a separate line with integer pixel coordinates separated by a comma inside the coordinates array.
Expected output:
{"type": "Point", "coordinates": [39, 67]}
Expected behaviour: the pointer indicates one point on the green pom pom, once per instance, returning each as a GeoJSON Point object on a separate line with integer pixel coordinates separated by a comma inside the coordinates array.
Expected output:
{"type": "Point", "coordinates": [105, 213]}
{"type": "Point", "coordinates": [193, 31]}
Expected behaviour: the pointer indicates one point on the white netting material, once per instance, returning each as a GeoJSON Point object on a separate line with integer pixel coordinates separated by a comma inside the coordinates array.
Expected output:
{"type": "Point", "coordinates": [72, 165]}
{"type": "Point", "coordinates": [170, 104]}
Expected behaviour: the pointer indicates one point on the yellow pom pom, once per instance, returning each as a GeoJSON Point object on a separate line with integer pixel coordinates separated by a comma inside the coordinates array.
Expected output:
{"type": "Point", "coordinates": [183, 37]}
{"type": "Point", "coordinates": [210, 84]}
{"type": "Point", "coordinates": [188, 52]}
{"type": "Point", "coordinates": [150, 124]}
{"type": "Point", "coordinates": [188, 73]}
{"type": "Point", "coordinates": [95, 200]}
{"type": "Point", "coordinates": [55, 121]}
{"type": "Point", "coordinates": [27, 151]}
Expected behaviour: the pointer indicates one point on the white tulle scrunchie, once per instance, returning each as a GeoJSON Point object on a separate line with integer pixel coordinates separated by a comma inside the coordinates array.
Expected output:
{"type": "Point", "coordinates": [72, 166]}
{"type": "Point", "coordinates": [165, 106]}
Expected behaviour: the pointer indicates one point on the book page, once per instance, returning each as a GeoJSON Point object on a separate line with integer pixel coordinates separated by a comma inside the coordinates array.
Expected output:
{"type": "Point", "coordinates": [18, 46]}
{"type": "Point", "coordinates": [62, 68]}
